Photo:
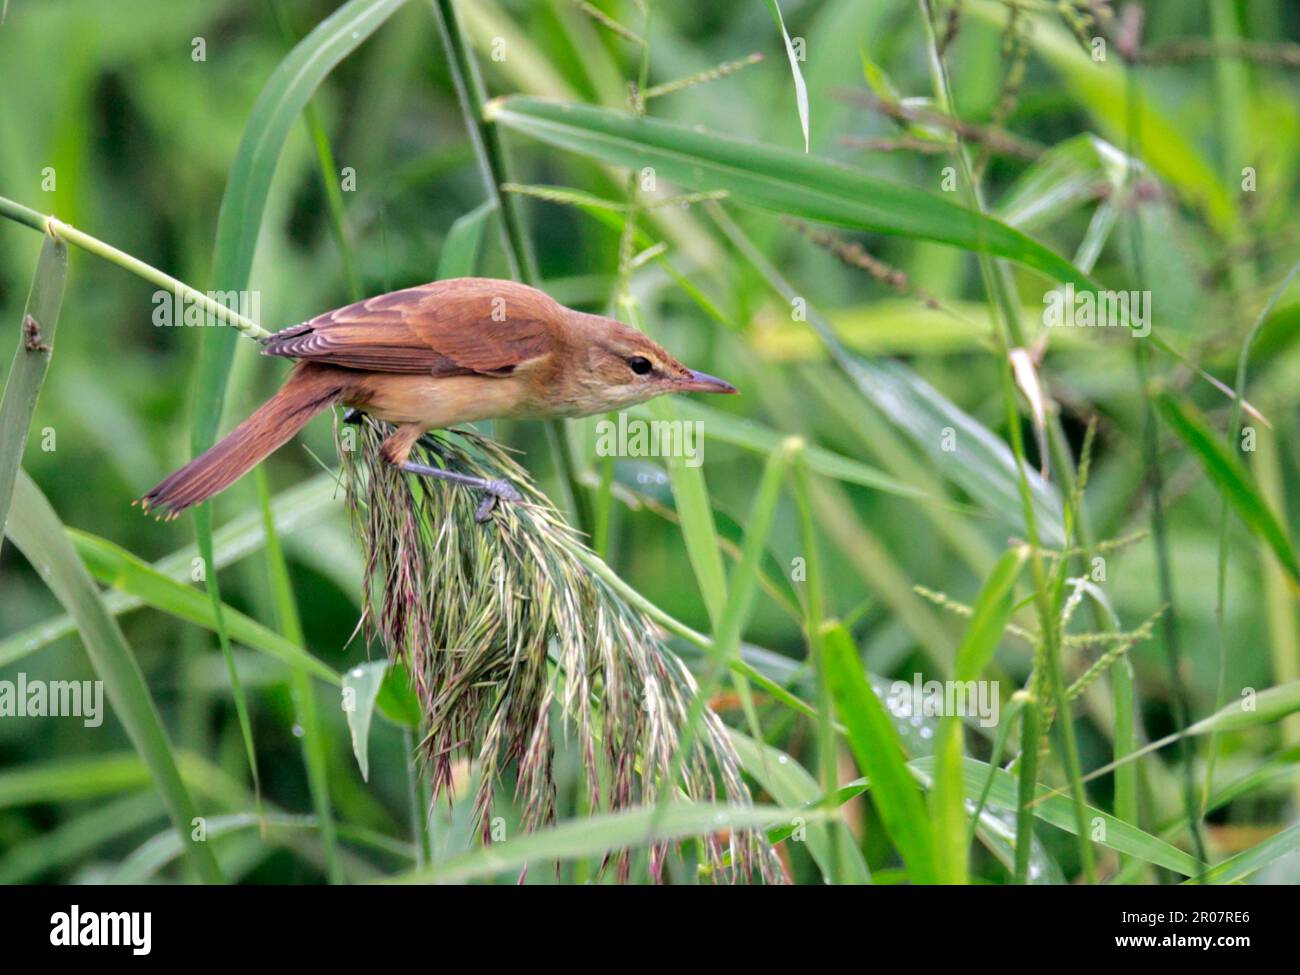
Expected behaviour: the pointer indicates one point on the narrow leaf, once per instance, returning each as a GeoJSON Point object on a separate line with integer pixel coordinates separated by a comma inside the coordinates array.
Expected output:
{"type": "Point", "coordinates": [114, 566]}
{"type": "Point", "coordinates": [991, 612]}
{"type": "Point", "coordinates": [1231, 477]}
{"type": "Point", "coordinates": [1237, 868]}
{"type": "Point", "coordinates": [31, 359]}
{"type": "Point", "coordinates": [301, 505]}
{"type": "Point", "coordinates": [1059, 811]}
{"type": "Point", "coordinates": [800, 89]}
{"type": "Point", "coordinates": [597, 836]}
{"type": "Point", "coordinates": [757, 438]}
{"type": "Point", "coordinates": [773, 178]}
{"type": "Point", "coordinates": [1252, 711]}
{"type": "Point", "coordinates": [239, 223]}
{"type": "Point", "coordinates": [879, 752]}
{"type": "Point", "coordinates": [361, 687]}
{"type": "Point", "coordinates": [459, 257]}
{"type": "Point", "coordinates": [789, 783]}
{"type": "Point", "coordinates": [40, 536]}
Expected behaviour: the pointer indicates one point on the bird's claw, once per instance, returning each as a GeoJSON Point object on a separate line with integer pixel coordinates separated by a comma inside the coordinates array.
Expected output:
{"type": "Point", "coordinates": [504, 490]}
{"type": "Point", "coordinates": [493, 492]}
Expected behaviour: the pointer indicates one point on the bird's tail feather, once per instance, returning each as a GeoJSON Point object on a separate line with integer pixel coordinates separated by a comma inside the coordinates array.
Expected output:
{"type": "Point", "coordinates": [309, 390]}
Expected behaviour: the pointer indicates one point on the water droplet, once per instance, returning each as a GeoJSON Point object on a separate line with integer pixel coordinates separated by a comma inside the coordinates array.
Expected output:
{"type": "Point", "coordinates": [298, 731]}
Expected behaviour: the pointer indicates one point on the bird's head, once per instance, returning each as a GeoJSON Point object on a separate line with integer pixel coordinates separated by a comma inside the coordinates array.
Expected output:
{"type": "Point", "coordinates": [618, 366]}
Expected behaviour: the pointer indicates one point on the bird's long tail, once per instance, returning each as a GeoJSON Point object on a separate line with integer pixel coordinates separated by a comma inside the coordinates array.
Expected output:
{"type": "Point", "coordinates": [309, 390]}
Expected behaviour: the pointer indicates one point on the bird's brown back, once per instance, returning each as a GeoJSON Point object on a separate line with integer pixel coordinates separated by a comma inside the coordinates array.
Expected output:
{"type": "Point", "coordinates": [446, 328]}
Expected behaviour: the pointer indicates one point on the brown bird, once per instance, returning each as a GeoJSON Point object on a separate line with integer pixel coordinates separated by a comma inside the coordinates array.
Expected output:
{"type": "Point", "coordinates": [434, 356]}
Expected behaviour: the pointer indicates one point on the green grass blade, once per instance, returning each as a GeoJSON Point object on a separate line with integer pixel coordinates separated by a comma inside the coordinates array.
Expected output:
{"type": "Point", "coordinates": [493, 162]}
{"type": "Point", "coordinates": [695, 511]}
{"type": "Point", "coordinates": [114, 566]}
{"type": "Point", "coordinates": [304, 504]}
{"type": "Point", "coordinates": [759, 439]}
{"type": "Point", "coordinates": [1124, 697]}
{"type": "Point", "coordinates": [992, 611]}
{"type": "Point", "coordinates": [699, 532]}
{"type": "Point", "coordinates": [1059, 811]}
{"type": "Point", "coordinates": [1282, 633]}
{"type": "Point", "coordinates": [329, 174]}
{"type": "Point", "coordinates": [459, 257]}
{"type": "Point", "coordinates": [79, 836]}
{"type": "Point", "coordinates": [278, 828]}
{"type": "Point", "coordinates": [314, 745]}
{"type": "Point", "coordinates": [1069, 176]}
{"type": "Point", "coordinates": [596, 836]}
{"type": "Point", "coordinates": [800, 89]}
{"type": "Point", "coordinates": [72, 779]}
{"type": "Point", "coordinates": [1027, 776]}
{"type": "Point", "coordinates": [36, 530]}
{"type": "Point", "coordinates": [361, 687]}
{"type": "Point", "coordinates": [1283, 625]}
{"type": "Point", "coordinates": [789, 783]}
{"type": "Point", "coordinates": [203, 536]}
{"type": "Point", "coordinates": [277, 109]}
{"type": "Point", "coordinates": [879, 752]}
{"type": "Point", "coordinates": [814, 602]}
{"type": "Point", "coordinates": [31, 359]}
{"type": "Point", "coordinates": [743, 584]}
{"type": "Point", "coordinates": [732, 612]}
{"type": "Point", "coordinates": [744, 577]}
{"type": "Point", "coordinates": [1261, 708]}
{"type": "Point", "coordinates": [1231, 477]}
{"type": "Point", "coordinates": [239, 223]}
{"type": "Point", "coordinates": [1254, 710]}
{"type": "Point", "coordinates": [772, 178]}
{"type": "Point", "coordinates": [1010, 715]}
{"type": "Point", "coordinates": [1237, 868]}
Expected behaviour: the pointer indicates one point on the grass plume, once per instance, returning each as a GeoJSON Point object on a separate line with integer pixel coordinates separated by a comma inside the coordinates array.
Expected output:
{"type": "Point", "coordinates": [504, 630]}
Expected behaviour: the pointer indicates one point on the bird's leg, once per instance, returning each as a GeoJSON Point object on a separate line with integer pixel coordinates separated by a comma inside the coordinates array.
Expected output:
{"type": "Point", "coordinates": [492, 489]}
{"type": "Point", "coordinates": [396, 450]}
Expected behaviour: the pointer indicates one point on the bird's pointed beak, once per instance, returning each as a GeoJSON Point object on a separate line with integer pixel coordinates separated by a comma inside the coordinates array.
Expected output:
{"type": "Point", "coordinates": [702, 382]}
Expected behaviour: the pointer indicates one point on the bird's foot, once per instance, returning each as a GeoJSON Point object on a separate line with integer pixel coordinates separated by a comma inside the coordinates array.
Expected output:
{"type": "Point", "coordinates": [493, 490]}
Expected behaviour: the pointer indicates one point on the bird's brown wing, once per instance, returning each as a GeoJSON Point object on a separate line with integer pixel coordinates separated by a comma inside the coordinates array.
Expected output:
{"type": "Point", "coordinates": [447, 328]}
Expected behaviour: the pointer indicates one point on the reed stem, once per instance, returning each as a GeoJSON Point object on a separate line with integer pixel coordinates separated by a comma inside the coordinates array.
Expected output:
{"type": "Point", "coordinates": [64, 231]}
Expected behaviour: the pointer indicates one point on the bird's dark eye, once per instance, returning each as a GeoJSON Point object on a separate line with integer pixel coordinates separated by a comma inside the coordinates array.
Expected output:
{"type": "Point", "coordinates": [639, 365]}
